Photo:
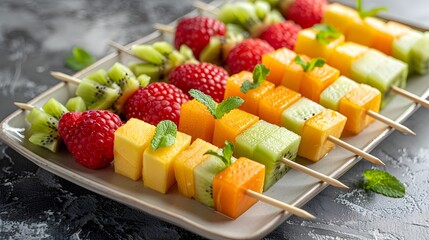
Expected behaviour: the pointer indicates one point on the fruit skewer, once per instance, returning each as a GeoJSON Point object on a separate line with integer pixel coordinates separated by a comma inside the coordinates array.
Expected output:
{"type": "Point", "coordinates": [332, 181]}
{"type": "Point", "coordinates": [372, 113]}
{"type": "Point", "coordinates": [392, 88]}
{"type": "Point", "coordinates": [164, 164]}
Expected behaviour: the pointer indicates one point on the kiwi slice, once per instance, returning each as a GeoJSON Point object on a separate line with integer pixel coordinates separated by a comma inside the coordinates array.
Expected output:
{"type": "Point", "coordinates": [281, 143]}
{"type": "Point", "coordinates": [294, 117]}
{"type": "Point", "coordinates": [41, 121]}
{"type": "Point", "coordinates": [390, 72]}
{"type": "Point", "coordinates": [212, 52]}
{"type": "Point", "coordinates": [246, 142]}
{"type": "Point", "coordinates": [54, 108]}
{"type": "Point", "coordinates": [331, 96]}
{"type": "Point", "coordinates": [100, 77]}
{"type": "Point", "coordinates": [149, 69]}
{"type": "Point", "coordinates": [49, 141]}
{"type": "Point", "coordinates": [420, 54]}
{"type": "Point", "coordinates": [96, 95]}
{"type": "Point", "coordinates": [76, 104]}
{"type": "Point", "coordinates": [126, 80]}
{"type": "Point", "coordinates": [402, 46]}
{"type": "Point", "coordinates": [204, 174]}
{"type": "Point", "coordinates": [365, 65]}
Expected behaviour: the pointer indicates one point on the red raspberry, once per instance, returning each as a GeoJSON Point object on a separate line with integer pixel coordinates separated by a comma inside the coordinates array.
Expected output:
{"type": "Point", "coordinates": [247, 54]}
{"type": "Point", "coordinates": [208, 78]}
{"type": "Point", "coordinates": [282, 34]}
{"type": "Point", "coordinates": [90, 138]}
{"type": "Point", "coordinates": [156, 102]}
{"type": "Point", "coordinates": [306, 13]}
{"type": "Point", "coordinates": [195, 32]}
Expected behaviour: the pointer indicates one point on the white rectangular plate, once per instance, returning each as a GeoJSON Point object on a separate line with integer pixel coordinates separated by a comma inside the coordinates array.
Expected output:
{"type": "Point", "coordinates": [294, 188]}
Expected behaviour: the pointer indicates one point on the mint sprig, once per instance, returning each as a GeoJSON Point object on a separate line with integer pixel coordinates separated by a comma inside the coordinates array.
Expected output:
{"type": "Point", "coordinates": [226, 155]}
{"type": "Point", "coordinates": [220, 109]}
{"type": "Point", "coordinates": [165, 135]}
{"type": "Point", "coordinates": [308, 66]}
{"type": "Point", "coordinates": [326, 33]}
{"type": "Point", "coordinates": [79, 59]}
{"type": "Point", "coordinates": [369, 13]}
{"type": "Point", "coordinates": [383, 183]}
{"type": "Point", "coordinates": [260, 72]}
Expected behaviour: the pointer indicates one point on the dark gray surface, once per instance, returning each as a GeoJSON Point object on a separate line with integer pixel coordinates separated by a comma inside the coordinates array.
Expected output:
{"type": "Point", "coordinates": [35, 38]}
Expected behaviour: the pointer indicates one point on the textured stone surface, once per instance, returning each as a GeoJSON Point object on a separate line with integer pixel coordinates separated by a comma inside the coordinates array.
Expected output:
{"type": "Point", "coordinates": [35, 38]}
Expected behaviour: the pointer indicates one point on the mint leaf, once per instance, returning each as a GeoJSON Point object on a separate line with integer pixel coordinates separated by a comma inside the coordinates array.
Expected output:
{"type": "Point", "coordinates": [326, 33]}
{"type": "Point", "coordinates": [308, 66]}
{"type": "Point", "coordinates": [369, 13]}
{"type": "Point", "coordinates": [79, 59]}
{"type": "Point", "coordinates": [165, 135]}
{"type": "Point", "coordinates": [260, 72]}
{"type": "Point", "coordinates": [383, 183]}
{"type": "Point", "coordinates": [226, 153]}
{"type": "Point", "coordinates": [216, 110]}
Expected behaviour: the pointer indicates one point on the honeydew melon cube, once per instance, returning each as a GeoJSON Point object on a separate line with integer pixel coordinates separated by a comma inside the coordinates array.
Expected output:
{"type": "Point", "coordinates": [331, 96]}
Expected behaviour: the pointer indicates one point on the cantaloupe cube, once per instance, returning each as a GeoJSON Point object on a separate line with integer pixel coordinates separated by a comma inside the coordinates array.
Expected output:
{"type": "Point", "coordinates": [277, 61]}
{"type": "Point", "coordinates": [185, 163]}
{"type": "Point", "coordinates": [131, 139]}
{"type": "Point", "coordinates": [355, 105]}
{"type": "Point", "coordinates": [275, 102]}
{"type": "Point", "coordinates": [340, 16]}
{"type": "Point", "coordinates": [252, 97]}
{"type": "Point", "coordinates": [345, 55]}
{"type": "Point", "coordinates": [230, 186]}
{"type": "Point", "coordinates": [158, 170]}
{"type": "Point", "coordinates": [307, 43]}
{"type": "Point", "coordinates": [385, 34]}
{"type": "Point", "coordinates": [360, 32]}
{"type": "Point", "coordinates": [196, 121]}
{"type": "Point", "coordinates": [316, 80]}
{"type": "Point", "coordinates": [231, 125]}
{"type": "Point", "coordinates": [314, 143]}
{"type": "Point", "coordinates": [293, 74]}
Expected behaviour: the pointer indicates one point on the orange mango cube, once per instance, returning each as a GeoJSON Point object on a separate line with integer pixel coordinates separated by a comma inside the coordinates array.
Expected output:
{"type": "Point", "coordinates": [275, 102]}
{"type": "Point", "coordinates": [231, 125]}
{"type": "Point", "coordinates": [196, 121]}
{"type": "Point", "coordinates": [293, 74]}
{"type": "Point", "coordinates": [252, 97]}
{"type": "Point", "coordinates": [385, 34]}
{"type": "Point", "coordinates": [307, 43]}
{"type": "Point", "coordinates": [277, 61]}
{"type": "Point", "coordinates": [344, 55]}
{"type": "Point", "coordinates": [356, 103]}
{"type": "Point", "coordinates": [316, 80]}
{"type": "Point", "coordinates": [230, 186]}
{"type": "Point", "coordinates": [314, 136]}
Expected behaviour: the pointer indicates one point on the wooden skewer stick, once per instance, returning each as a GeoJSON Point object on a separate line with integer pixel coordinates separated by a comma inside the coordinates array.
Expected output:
{"type": "Point", "coordinates": [294, 210]}
{"type": "Point", "coordinates": [65, 78]}
{"type": "Point", "coordinates": [164, 28]}
{"type": "Point", "coordinates": [313, 173]}
{"type": "Point", "coordinates": [390, 122]}
{"type": "Point", "coordinates": [123, 49]}
{"type": "Point", "coordinates": [24, 106]}
{"type": "Point", "coordinates": [355, 150]}
{"type": "Point", "coordinates": [411, 96]}
{"type": "Point", "coordinates": [206, 7]}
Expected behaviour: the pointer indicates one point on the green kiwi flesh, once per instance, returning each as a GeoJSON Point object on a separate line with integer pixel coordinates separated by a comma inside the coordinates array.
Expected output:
{"type": "Point", "coordinates": [282, 143]}
{"type": "Point", "coordinates": [76, 104]}
{"type": "Point", "coordinates": [331, 96]}
{"type": "Point", "coordinates": [96, 95]}
{"type": "Point", "coordinates": [246, 142]}
{"type": "Point", "coordinates": [54, 108]}
{"type": "Point", "coordinates": [44, 128]}
{"type": "Point", "coordinates": [294, 117]}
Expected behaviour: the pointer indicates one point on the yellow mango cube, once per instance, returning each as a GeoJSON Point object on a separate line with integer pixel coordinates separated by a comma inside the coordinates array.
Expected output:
{"type": "Point", "coordinates": [252, 97]}
{"type": "Point", "coordinates": [158, 167]}
{"type": "Point", "coordinates": [314, 136]}
{"type": "Point", "coordinates": [339, 16]}
{"type": "Point", "coordinates": [307, 43]}
{"type": "Point", "coordinates": [131, 139]}
{"type": "Point", "coordinates": [345, 55]}
{"type": "Point", "coordinates": [185, 163]}
{"type": "Point", "coordinates": [355, 105]}
{"type": "Point", "coordinates": [231, 125]}
{"type": "Point", "coordinates": [361, 32]}
{"type": "Point", "coordinates": [277, 61]}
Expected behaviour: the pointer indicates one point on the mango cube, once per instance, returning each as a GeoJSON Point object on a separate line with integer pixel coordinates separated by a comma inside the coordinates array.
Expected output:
{"type": "Point", "coordinates": [277, 61]}
{"type": "Point", "coordinates": [196, 120]}
{"type": "Point", "coordinates": [252, 97]}
{"type": "Point", "coordinates": [316, 80]}
{"type": "Point", "coordinates": [360, 31]}
{"type": "Point", "coordinates": [275, 102]}
{"type": "Point", "coordinates": [158, 170]}
{"type": "Point", "coordinates": [340, 16]}
{"type": "Point", "coordinates": [131, 139]}
{"type": "Point", "coordinates": [293, 74]}
{"type": "Point", "coordinates": [307, 43]}
{"type": "Point", "coordinates": [345, 55]}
